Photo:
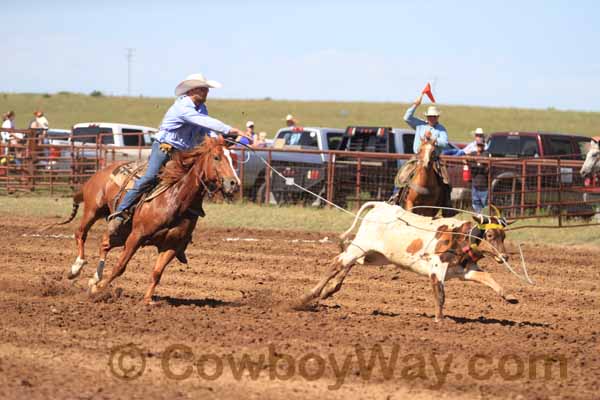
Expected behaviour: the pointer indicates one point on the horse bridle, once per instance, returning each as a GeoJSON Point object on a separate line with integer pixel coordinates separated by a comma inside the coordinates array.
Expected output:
{"type": "Point", "coordinates": [211, 193]}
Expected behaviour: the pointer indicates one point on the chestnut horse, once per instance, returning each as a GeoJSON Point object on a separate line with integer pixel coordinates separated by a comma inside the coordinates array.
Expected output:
{"type": "Point", "coordinates": [167, 221]}
{"type": "Point", "coordinates": [425, 187]}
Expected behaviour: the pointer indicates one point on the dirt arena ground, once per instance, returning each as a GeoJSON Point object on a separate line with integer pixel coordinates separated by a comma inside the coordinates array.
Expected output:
{"type": "Point", "coordinates": [229, 306]}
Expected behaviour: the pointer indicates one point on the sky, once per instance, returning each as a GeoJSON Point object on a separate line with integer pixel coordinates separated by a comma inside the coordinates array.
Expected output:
{"type": "Point", "coordinates": [530, 54]}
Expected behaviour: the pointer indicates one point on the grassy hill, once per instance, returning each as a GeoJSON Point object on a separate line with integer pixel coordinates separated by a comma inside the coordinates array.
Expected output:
{"type": "Point", "coordinates": [65, 109]}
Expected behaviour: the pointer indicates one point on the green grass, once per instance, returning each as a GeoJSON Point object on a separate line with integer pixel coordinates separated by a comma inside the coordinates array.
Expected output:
{"type": "Point", "coordinates": [66, 109]}
{"type": "Point", "coordinates": [252, 216]}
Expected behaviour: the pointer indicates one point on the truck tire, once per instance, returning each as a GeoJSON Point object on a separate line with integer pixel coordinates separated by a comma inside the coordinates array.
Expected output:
{"type": "Point", "coordinates": [260, 195]}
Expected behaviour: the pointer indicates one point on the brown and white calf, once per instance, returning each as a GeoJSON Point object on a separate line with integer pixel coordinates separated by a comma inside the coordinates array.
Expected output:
{"type": "Point", "coordinates": [441, 249]}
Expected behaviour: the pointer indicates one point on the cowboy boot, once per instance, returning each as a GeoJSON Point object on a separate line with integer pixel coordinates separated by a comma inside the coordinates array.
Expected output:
{"type": "Point", "coordinates": [116, 221]}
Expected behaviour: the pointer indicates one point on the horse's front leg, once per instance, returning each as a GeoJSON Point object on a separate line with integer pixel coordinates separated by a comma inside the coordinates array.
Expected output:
{"type": "Point", "coordinates": [131, 245]}
{"type": "Point", "coordinates": [164, 258]}
{"type": "Point", "coordinates": [105, 247]}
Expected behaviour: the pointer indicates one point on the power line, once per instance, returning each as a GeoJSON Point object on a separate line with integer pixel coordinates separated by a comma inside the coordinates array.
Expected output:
{"type": "Point", "coordinates": [129, 58]}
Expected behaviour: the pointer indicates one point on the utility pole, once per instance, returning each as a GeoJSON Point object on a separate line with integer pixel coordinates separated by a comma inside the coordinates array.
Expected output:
{"type": "Point", "coordinates": [129, 57]}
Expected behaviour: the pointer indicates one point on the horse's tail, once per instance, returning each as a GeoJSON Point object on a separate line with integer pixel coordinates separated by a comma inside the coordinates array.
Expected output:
{"type": "Point", "coordinates": [77, 198]}
{"type": "Point", "coordinates": [343, 237]}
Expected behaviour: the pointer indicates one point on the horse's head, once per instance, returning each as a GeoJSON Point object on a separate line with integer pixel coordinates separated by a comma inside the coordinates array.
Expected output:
{"type": "Point", "coordinates": [490, 230]}
{"type": "Point", "coordinates": [217, 171]}
{"type": "Point", "coordinates": [426, 152]}
{"type": "Point", "coordinates": [591, 165]}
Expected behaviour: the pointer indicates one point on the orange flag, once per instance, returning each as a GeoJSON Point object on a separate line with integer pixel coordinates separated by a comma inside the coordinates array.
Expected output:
{"type": "Point", "coordinates": [427, 91]}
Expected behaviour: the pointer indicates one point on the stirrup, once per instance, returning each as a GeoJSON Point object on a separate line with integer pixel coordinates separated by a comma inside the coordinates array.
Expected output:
{"type": "Point", "coordinates": [123, 214]}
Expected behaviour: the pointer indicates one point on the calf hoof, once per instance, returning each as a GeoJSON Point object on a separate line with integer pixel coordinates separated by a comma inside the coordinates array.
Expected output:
{"type": "Point", "coordinates": [509, 298]}
{"type": "Point", "coordinates": [152, 303]}
{"type": "Point", "coordinates": [303, 303]}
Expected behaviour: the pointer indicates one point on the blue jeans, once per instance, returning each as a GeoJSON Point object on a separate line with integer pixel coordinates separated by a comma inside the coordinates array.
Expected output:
{"type": "Point", "coordinates": [479, 199]}
{"type": "Point", "coordinates": [156, 160]}
{"type": "Point", "coordinates": [453, 152]}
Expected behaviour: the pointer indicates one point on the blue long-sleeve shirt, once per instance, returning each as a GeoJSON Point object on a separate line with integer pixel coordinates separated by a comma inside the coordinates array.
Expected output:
{"type": "Point", "coordinates": [437, 132]}
{"type": "Point", "coordinates": [185, 124]}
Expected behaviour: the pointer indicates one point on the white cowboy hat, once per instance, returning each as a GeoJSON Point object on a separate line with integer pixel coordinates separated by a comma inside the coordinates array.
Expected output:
{"type": "Point", "coordinates": [478, 131]}
{"type": "Point", "coordinates": [194, 81]}
{"type": "Point", "coordinates": [289, 117]}
{"type": "Point", "coordinates": [249, 124]}
{"type": "Point", "coordinates": [432, 111]}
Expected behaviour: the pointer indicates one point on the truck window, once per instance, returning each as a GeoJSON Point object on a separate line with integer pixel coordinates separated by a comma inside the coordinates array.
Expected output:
{"type": "Point", "coordinates": [371, 142]}
{"type": "Point", "coordinates": [90, 134]}
{"type": "Point", "coordinates": [303, 139]}
{"type": "Point", "coordinates": [559, 147]}
{"type": "Point", "coordinates": [584, 147]}
{"type": "Point", "coordinates": [133, 140]}
{"type": "Point", "coordinates": [408, 140]}
{"type": "Point", "coordinates": [513, 146]}
{"type": "Point", "coordinates": [107, 139]}
{"type": "Point", "coordinates": [334, 139]}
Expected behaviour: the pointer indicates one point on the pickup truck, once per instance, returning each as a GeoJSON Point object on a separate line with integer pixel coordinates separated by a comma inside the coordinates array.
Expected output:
{"type": "Point", "coordinates": [506, 186]}
{"type": "Point", "coordinates": [376, 175]}
{"type": "Point", "coordinates": [129, 141]}
{"type": "Point", "coordinates": [305, 169]}
{"type": "Point", "coordinates": [310, 170]}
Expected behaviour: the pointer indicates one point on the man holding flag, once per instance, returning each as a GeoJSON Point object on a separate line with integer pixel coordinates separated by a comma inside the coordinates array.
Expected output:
{"type": "Point", "coordinates": [424, 131]}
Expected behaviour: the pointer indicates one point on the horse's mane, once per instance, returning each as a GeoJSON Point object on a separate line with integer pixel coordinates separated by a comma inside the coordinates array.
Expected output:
{"type": "Point", "coordinates": [182, 162]}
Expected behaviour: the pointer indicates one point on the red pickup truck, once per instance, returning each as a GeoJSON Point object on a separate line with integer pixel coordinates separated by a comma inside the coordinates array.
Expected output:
{"type": "Point", "coordinates": [541, 180]}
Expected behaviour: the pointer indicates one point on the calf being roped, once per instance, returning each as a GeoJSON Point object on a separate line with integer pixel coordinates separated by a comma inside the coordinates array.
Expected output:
{"type": "Point", "coordinates": [441, 249]}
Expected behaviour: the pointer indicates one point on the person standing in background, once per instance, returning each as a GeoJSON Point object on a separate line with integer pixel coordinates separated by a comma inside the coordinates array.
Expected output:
{"type": "Point", "coordinates": [479, 179]}
{"type": "Point", "coordinates": [290, 121]}
{"type": "Point", "coordinates": [479, 137]}
{"type": "Point", "coordinates": [8, 121]}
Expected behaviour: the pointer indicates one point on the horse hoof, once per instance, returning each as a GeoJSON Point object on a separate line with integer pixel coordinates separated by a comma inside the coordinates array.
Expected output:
{"type": "Point", "coordinates": [153, 303]}
{"type": "Point", "coordinates": [71, 275]}
{"type": "Point", "coordinates": [511, 299]}
{"type": "Point", "coordinates": [76, 268]}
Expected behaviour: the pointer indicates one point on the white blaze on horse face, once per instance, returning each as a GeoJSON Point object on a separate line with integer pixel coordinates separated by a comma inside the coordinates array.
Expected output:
{"type": "Point", "coordinates": [228, 156]}
{"type": "Point", "coordinates": [590, 165]}
{"type": "Point", "coordinates": [427, 156]}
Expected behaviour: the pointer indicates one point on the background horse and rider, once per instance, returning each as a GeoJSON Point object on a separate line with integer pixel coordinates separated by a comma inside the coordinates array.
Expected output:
{"type": "Point", "coordinates": [420, 183]}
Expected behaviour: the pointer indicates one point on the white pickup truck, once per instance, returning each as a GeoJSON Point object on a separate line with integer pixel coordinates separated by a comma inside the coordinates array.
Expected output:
{"type": "Point", "coordinates": [109, 141]}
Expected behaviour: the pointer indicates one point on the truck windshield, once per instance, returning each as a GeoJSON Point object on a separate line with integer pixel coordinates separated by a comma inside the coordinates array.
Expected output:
{"type": "Point", "coordinates": [90, 134]}
{"type": "Point", "coordinates": [513, 146]}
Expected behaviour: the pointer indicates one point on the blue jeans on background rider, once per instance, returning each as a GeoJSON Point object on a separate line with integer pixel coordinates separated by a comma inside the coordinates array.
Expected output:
{"type": "Point", "coordinates": [478, 199]}
{"type": "Point", "coordinates": [156, 160]}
